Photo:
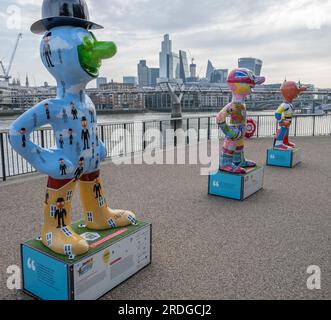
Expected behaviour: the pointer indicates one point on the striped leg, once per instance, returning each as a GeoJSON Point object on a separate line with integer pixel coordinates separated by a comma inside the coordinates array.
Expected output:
{"type": "Point", "coordinates": [228, 157]}
{"type": "Point", "coordinates": [239, 157]}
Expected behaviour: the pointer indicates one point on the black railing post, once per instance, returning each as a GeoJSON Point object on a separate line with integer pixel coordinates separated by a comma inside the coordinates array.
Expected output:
{"type": "Point", "coordinates": [314, 124]}
{"type": "Point", "coordinates": [175, 133]}
{"type": "Point", "coordinates": [258, 126]}
{"type": "Point", "coordinates": [161, 135]}
{"type": "Point", "coordinates": [2, 150]}
{"type": "Point", "coordinates": [295, 125]}
{"type": "Point", "coordinates": [187, 133]}
{"type": "Point", "coordinates": [102, 134]}
{"type": "Point", "coordinates": [208, 136]}
{"type": "Point", "coordinates": [199, 125]}
{"type": "Point", "coordinates": [125, 140]}
{"type": "Point", "coordinates": [42, 138]}
{"type": "Point", "coordinates": [144, 132]}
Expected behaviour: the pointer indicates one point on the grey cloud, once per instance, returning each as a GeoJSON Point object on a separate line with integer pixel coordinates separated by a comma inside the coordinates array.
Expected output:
{"type": "Point", "coordinates": [174, 15]}
{"type": "Point", "coordinates": [211, 29]}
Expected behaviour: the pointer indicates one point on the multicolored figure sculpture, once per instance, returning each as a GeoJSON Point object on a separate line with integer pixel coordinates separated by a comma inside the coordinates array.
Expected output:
{"type": "Point", "coordinates": [66, 26]}
{"type": "Point", "coordinates": [241, 82]}
{"type": "Point", "coordinates": [284, 114]}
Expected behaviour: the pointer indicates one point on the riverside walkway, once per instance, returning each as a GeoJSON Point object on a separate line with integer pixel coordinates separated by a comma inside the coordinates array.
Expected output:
{"type": "Point", "coordinates": [205, 247]}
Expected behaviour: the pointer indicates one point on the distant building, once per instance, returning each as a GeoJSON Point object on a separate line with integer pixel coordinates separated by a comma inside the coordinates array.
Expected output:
{"type": "Point", "coordinates": [131, 80]}
{"type": "Point", "coordinates": [3, 84]}
{"type": "Point", "coordinates": [252, 64]}
{"type": "Point", "coordinates": [219, 76]}
{"type": "Point", "coordinates": [183, 66]}
{"type": "Point", "coordinates": [154, 74]}
{"type": "Point", "coordinates": [27, 84]}
{"type": "Point", "coordinates": [101, 81]}
{"type": "Point", "coordinates": [118, 101]}
{"type": "Point", "coordinates": [210, 70]}
{"type": "Point", "coordinates": [166, 49]}
{"type": "Point", "coordinates": [191, 101]}
{"type": "Point", "coordinates": [116, 86]}
{"type": "Point", "coordinates": [143, 74]}
{"type": "Point", "coordinates": [271, 86]}
{"type": "Point", "coordinates": [173, 66]}
{"type": "Point", "coordinates": [193, 70]}
{"type": "Point", "coordinates": [170, 61]}
{"type": "Point", "coordinates": [117, 97]}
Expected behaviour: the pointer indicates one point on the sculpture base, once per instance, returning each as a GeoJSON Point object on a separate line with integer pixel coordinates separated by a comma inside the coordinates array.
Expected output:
{"type": "Point", "coordinates": [114, 256]}
{"type": "Point", "coordinates": [236, 186]}
{"type": "Point", "coordinates": [284, 158]}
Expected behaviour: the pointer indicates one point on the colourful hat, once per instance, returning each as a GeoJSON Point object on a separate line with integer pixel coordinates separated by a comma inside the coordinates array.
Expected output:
{"type": "Point", "coordinates": [242, 75]}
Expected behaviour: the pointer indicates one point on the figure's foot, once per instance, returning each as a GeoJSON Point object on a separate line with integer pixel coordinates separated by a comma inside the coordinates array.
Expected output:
{"type": "Point", "coordinates": [291, 145]}
{"type": "Point", "coordinates": [233, 169]}
{"type": "Point", "coordinates": [248, 164]}
{"type": "Point", "coordinates": [110, 219]}
{"type": "Point", "coordinates": [63, 241]}
{"type": "Point", "coordinates": [98, 216]}
{"type": "Point", "coordinates": [282, 147]}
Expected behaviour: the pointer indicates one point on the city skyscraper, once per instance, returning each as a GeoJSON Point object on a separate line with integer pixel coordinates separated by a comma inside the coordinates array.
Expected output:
{"type": "Point", "coordinates": [130, 80]}
{"type": "Point", "coordinates": [143, 74]}
{"type": "Point", "coordinates": [193, 69]}
{"type": "Point", "coordinates": [252, 64]}
{"type": "Point", "coordinates": [210, 70]}
{"type": "Point", "coordinates": [154, 74]}
{"type": "Point", "coordinates": [183, 66]}
{"type": "Point", "coordinates": [170, 61]}
{"type": "Point", "coordinates": [173, 66]}
{"type": "Point", "coordinates": [166, 49]}
{"type": "Point", "coordinates": [219, 76]}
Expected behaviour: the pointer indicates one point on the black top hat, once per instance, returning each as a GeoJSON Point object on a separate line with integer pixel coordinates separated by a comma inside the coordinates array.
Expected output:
{"type": "Point", "coordinates": [56, 13]}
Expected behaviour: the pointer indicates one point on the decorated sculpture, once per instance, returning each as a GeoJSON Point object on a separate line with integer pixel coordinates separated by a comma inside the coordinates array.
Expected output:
{"type": "Point", "coordinates": [72, 54]}
{"type": "Point", "coordinates": [240, 81]}
{"type": "Point", "coordinates": [284, 114]}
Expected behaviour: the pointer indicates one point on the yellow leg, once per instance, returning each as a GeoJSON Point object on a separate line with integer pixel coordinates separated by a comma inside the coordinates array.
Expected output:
{"type": "Point", "coordinates": [98, 216]}
{"type": "Point", "coordinates": [56, 231]}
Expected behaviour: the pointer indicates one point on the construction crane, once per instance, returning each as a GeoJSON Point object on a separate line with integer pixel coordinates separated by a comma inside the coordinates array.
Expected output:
{"type": "Point", "coordinates": [6, 71]}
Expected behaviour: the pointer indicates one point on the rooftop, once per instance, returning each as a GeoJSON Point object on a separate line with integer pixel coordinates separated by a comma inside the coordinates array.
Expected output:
{"type": "Point", "coordinates": [205, 247]}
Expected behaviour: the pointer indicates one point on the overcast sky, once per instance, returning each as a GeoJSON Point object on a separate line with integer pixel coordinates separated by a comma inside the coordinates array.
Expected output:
{"type": "Point", "coordinates": [292, 37]}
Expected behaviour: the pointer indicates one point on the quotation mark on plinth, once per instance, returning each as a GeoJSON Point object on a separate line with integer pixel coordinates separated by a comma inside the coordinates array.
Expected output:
{"type": "Point", "coordinates": [31, 264]}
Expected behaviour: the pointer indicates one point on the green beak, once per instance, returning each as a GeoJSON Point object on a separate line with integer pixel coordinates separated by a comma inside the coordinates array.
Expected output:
{"type": "Point", "coordinates": [91, 53]}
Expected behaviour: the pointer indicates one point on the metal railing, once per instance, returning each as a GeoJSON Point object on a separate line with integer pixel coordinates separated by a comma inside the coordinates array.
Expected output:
{"type": "Point", "coordinates": [123, 139]}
